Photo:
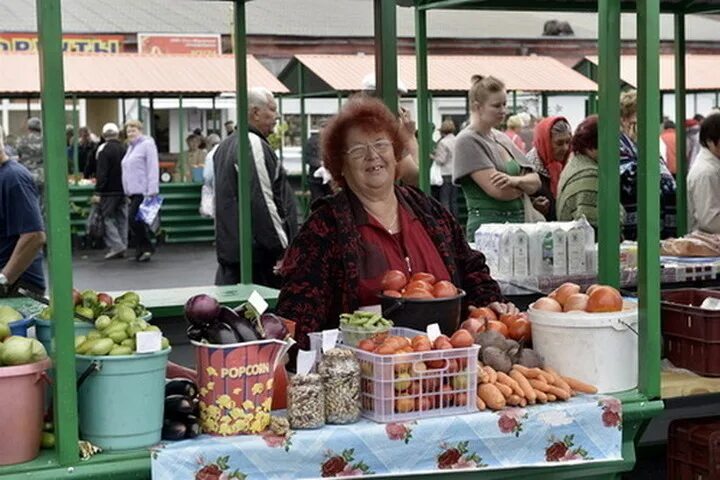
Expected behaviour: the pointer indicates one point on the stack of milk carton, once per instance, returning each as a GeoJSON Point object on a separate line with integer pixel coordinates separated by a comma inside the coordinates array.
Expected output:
{"type": "Point", "coordinates": [521, 250]}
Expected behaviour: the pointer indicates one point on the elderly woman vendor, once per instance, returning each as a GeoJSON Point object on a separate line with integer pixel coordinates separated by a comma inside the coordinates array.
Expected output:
{"type": "Point", "coordinates": [337, 261]}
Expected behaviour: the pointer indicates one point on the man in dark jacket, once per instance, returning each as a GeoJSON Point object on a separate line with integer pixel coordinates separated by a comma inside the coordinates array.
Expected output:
{"type": "Point", "coordinates": [273, 203]}
{"type": "Point", "coordinates": [109, 193]}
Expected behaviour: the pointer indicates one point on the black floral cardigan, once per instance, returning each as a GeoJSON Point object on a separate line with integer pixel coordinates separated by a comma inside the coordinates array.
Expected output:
{"type": "Point", "coordinates": [320, 269]}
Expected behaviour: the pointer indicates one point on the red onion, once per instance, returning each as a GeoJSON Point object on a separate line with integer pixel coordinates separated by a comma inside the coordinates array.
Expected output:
{"type": "Point", "coordinates": [201, 309]}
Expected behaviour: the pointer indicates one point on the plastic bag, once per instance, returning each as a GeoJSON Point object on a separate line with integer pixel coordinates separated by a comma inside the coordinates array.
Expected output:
{"type": "Point", "coordinates": [436, 178]}
{"type": "Point", "coordinates": [149, 212]}
{"type": "Point", "coordinates": [95, 227]}
{"type": "Point", "coordinates": [207, 201]}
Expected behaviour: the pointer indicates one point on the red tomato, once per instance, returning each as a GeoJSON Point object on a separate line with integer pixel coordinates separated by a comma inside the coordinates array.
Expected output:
{"type": "Point", "coordinates": [419, 284]}
{"type": "Point", "coordinates": [428, 277]}
{"type": "Point", "coordinates": [419, 294]}
{"type": "Point", "coordinates": [443, 288]}
{"type": "Point", "coordinates": [394, 280]}
{"type": "Point", "coordinates": [392, 293]}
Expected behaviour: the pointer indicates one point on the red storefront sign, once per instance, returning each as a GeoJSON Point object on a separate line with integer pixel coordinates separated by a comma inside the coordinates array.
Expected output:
{"type": "Point", "coordinates": [27, 42]}
{"type": "Point", "coordinates": [161, 44]}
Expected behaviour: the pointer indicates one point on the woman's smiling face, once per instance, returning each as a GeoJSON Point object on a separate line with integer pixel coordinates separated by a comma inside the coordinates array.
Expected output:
{"type": "Point", "coordinates": [370, 161]}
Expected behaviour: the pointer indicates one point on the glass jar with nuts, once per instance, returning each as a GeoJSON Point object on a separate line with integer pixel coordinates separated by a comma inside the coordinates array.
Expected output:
{"type": "Point", "coordinates": [340, 373]}
{"type": "Point", "coordinates": [306, 402]}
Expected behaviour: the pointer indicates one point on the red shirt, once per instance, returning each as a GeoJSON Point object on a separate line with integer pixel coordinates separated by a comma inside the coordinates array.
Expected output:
{"type": "Point", "coordinates": [410, 251]}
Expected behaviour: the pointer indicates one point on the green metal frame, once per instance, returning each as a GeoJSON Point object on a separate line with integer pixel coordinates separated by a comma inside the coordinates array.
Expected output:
{"type": "Point", "coordinates": [680, 135]}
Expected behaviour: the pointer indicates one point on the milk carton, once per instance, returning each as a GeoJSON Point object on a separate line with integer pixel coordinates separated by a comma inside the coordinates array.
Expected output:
{"type": "Point", "coordinates": [559, 252]}
{"type": "Point", "coordinates": [520, 243]}
{"type": "Point", "coordinates": [487, 241]}
{"type": "Point", "coordinates": [576, 250]}
{"type": "Point", "coordinates": [505, 260]}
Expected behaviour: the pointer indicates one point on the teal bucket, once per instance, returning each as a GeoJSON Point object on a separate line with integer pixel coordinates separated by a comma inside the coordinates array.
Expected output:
{"type": "Point", "coordinates": [43, 331]}
{"type": "Point", "coordinates": [121, 403]}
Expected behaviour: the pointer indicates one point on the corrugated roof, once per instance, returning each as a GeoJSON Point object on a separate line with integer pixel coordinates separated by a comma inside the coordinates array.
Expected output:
{"type": "Point", "coordinates": [701, 71]}
{"type": "Point", "coordinates": [128, 74]}
{"type": "Point", "coordinates": [320, 18]}
{"type": "Point", "coordinates": [452, 73]}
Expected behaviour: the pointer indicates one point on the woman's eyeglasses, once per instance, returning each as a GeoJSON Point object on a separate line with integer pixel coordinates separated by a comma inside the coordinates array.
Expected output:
{"type": "Point", "coordinates": [361, 151]}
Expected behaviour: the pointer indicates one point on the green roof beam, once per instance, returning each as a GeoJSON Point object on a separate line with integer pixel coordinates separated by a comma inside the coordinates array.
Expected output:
{"type": "Point", "coordinates": [386, 79]}
{"type": "Point", "coordinates": [422, 101]}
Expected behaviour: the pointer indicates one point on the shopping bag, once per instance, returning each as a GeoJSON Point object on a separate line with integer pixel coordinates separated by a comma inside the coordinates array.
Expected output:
{"type": "Point", "coordinates": [95, 227]}
{"type": "Point", "coordinates": [149, 212]}
{"type": "Point", "coordinates": [436, 178]}
{"type": "Point", "coordinates": [207, 201]}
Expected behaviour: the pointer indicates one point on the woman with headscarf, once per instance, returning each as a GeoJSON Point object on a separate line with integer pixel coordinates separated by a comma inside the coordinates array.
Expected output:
{"type": "Point", "coordinates": [551, 148]}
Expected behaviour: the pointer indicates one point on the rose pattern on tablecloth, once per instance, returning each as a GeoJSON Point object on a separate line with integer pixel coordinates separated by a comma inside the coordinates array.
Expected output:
{"type": "Point", "coordinates": [510, 420]}
{"type": "Point", "coordinates": [217, 470]}
{"type": "Point", "coordinates": [453, 457]}
{"type": "Point", "coordinates": [399, 431]}
{"type": "Point", "coordinates": [612, 412]}
{"type": "Point", "coordinates": [343, 465]}
{"type": "Point", "coordinates": [274, 440]}
{"type": "Point", "coordinates": [563, 451]}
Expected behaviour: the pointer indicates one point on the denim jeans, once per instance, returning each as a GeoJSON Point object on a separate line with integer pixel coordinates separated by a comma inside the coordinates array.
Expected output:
{"type": "Point", "coordinates": [115, 217]}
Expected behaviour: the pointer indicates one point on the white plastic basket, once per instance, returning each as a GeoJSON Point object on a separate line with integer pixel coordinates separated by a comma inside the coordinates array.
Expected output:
{"type": "Point", "coordinates": [410, 386]}
{"type": "Point", "coordinates": [597, 348]}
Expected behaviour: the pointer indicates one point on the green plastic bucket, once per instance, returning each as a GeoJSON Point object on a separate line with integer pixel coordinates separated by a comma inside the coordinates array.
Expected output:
{"type": "Point", "coordinates": [43, 331]}
{"type": "Point", "coordinates": [121, 403]}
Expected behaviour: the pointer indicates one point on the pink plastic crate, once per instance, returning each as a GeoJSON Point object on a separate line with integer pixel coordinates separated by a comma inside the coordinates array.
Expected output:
{"type": "Point", "coordinates": [394, 388]}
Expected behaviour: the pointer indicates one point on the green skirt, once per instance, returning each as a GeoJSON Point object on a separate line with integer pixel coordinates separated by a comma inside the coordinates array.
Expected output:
{"type": "Point", "coordinates": [478, 216]}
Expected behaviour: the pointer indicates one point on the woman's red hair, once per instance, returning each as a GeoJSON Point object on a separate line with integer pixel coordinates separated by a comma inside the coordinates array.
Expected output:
{"type": "Point", "coordinates": [368, 114]}
{"type": "Point", "coordinates": [586, 136]}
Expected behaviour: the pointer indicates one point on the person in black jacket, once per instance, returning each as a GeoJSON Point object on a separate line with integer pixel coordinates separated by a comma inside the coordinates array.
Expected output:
{"type": "Point", "coordinates": [109, 192]}
{"type": "Point", "coordinates": [273, 203]}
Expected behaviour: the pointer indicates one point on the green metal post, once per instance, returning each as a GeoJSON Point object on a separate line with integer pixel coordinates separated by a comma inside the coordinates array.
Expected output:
{"type": "Point", "coordinates": [58, 227]}
{"type": "Point", "coordinates": [303, 132]}
{"type": "Point", "coordinates": [76, 140]}
{"type": "Point", "coordinates": [680, 115]}
{"type": "Point", "coordinates": [423, 101]}
{"type": "Point", "coordinates": [140, 116]}
{"type": "Point", "coordinates": [244, 170]}
{"type": "Point", "coordinates": [648, 27]}
{"type": "Point", "coordinates": [181, 137]}
{"type": "Point", "coordinates": [608, 146]}
{"type": "Point", "coordinates": [281, 154]}
{"type": "Point", "coordinates": [386, 52]}
{"type": "Point", "coordinates": [124, 112]}
{"type": "Point", "coordinates": [514, 100]}
{"type": "Point", "coordinates": [29, 109]}
{"type": "Point", "coordinates": [339, 101]}
{"type": "Point", "coordinates": [214, 116]}
{"type": "Point", "coordinates": [543, 105]}
{"type": "Point", "coordinates": [152, 130]}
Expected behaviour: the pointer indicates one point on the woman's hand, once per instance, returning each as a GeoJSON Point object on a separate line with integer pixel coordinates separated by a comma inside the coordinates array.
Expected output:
{"type": "Point", "coordinates": [502, 180]}
{"type": "Point", "coordinates": [542, 205]}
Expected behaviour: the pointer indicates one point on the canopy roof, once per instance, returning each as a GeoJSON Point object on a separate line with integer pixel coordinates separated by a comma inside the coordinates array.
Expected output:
{"type": "Point", "coordinates": [446, 73]}
{"type": "Point", "coordinates": [700, 71]}
{"type": "Point", "coordinates": [687, 6]}
{"type": "Point", "coordinates": [134, 75]}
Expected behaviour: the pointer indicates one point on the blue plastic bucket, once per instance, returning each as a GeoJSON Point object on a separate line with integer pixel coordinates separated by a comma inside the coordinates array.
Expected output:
{"type": "Point", "coordinates": [121, 404]}
{"type": "Point", "coordinates": [43, 331]}
{"type": "Point", "coordinates": [20, 327]}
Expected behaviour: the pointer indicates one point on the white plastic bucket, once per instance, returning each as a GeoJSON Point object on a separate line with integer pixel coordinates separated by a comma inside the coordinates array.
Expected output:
{"type": "Point", "coordinates": [597, 348]}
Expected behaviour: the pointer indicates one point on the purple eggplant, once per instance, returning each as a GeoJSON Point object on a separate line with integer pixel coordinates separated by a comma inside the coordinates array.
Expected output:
{"type": "Point", "coordinates": [221, 333]}
{"type": "Point", "coordinates": [242, 326]}
{"type": "Point", "coordinates": [201, 309]}
{"type": "Point", "coordinates": [274, 326]}
{"type": "Point", "coordinates": [174, 430]}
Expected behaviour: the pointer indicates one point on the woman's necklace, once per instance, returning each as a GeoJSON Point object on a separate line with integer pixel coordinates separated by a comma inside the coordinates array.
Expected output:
{"type": "Point", "coordinates": [392, 228]}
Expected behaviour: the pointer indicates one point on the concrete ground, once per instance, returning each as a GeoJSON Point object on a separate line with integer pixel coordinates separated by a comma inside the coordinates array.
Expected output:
{"type": "Point", "coordinates": [195, 264]}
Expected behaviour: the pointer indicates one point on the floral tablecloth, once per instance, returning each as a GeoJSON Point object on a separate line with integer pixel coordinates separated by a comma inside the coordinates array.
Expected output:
{"type": "Point", "coordinates": [585, 429]}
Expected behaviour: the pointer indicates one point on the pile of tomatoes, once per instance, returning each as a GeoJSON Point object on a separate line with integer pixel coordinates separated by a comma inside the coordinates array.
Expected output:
{"type": "Point", "coordinates": [420, 285]}
{"type": "Point", "coordinates": [511, 325]}
{"type": "Point", "coordinates": [417, 385]}
{"type": "Point", "coordinates": [568, 298]}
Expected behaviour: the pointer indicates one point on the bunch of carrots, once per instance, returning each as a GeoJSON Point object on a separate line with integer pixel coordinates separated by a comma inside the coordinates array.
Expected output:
{"type": "Point", "coordinates": [525, 386]}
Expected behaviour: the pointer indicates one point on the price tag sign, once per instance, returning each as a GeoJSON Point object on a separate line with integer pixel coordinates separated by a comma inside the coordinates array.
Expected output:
{"type": "Point", "coordinates": [305, 361]}
{"type": "Point", "coordinates": [329, 339]}
{"type": "Point", "coordinates": [433, 331]}
{"type": "Point", "coordinates": [258, 302]}
{"type": "Point", "coordinates": [372, 308]}
{"type": "Point", "coordinates": [148, 342]}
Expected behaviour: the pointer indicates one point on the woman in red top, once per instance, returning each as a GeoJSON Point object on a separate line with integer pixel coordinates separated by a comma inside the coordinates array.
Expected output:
{"type": "Point", "coordinates": [337, 261]}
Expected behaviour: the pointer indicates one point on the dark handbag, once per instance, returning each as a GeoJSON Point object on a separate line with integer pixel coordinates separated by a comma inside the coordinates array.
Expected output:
{"type": "Point", "coordinates": [95, 228]}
